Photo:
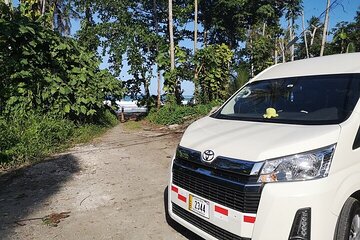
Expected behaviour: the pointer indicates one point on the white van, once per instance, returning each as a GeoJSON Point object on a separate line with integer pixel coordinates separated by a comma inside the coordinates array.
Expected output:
{"type": "Point", "coordinates": [279, 160]}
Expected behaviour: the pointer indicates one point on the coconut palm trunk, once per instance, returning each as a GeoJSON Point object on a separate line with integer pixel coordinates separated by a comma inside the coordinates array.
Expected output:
{"type": "Point", "coordinates": [326, 23]}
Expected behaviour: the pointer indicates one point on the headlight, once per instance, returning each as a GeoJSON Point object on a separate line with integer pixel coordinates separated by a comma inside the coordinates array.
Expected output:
{"type": "Point", "coordinates": [298, 167]}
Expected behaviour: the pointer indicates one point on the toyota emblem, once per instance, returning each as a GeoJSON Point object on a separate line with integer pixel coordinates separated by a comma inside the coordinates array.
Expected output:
{"type": "Point", "coordinates": [208, 156]}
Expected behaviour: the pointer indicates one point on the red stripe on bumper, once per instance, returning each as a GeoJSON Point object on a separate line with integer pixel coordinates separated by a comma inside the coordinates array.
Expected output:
{"type": "Point", "coordinates": [221, 210]}
{"type": "Point", "coordinates": [182, 198]}
{"type": "Point", "coordinates": [249, 219]}
{"type": "Point", "coordinates": [174, 189]}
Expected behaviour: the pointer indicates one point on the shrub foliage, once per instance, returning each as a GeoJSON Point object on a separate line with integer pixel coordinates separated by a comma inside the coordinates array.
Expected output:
{"type": "Point", "coordinates": [176, 114]}
{"type": "Point", "coordinates": [52, 90]}
{"type": "Point", "coordinates": [43, 71]}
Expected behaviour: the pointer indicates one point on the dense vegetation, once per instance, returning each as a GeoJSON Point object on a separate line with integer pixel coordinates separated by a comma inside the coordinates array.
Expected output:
{"type": "Point", "coordinates": [236, 40]}
{"type": "Point", "coordinates": [51, 89]}
{"type": "Point", "coordinates": [177, 114]}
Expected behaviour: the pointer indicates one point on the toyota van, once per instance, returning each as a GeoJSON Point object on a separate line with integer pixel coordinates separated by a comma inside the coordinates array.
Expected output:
{"type": "Point", "coordinates": [279, 160]}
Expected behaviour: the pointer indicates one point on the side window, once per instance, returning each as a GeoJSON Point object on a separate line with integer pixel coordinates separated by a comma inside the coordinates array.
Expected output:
{"type": "Point", "coordinates": [357, 140]}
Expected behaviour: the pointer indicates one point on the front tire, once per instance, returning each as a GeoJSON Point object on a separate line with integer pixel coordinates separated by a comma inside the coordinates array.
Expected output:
{"type": "Point", "coordinates": [348, 225]}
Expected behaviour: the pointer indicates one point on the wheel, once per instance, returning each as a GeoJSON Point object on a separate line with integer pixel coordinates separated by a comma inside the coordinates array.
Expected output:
{"type": "Point", "coordinates": [348, 225]}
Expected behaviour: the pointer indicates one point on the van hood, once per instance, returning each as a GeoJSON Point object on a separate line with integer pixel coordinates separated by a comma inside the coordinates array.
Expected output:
{"type": "Point", "coordinates": [256, 141]}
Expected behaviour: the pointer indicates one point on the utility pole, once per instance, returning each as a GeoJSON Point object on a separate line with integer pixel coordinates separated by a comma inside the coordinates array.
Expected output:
{"type": "Point", "coordinates": [323, 42]}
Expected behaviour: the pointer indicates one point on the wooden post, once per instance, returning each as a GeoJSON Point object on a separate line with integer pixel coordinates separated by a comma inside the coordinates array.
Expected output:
{"type": "Point", "coordinates": [122, 115]}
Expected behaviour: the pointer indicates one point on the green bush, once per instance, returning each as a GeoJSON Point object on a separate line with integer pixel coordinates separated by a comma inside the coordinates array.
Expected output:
{"type": "Point", "coordinates": [52, 90]}
{"type": "Point", "coordinates": [53, 74]}
{"type": "Point", "coordinates": [175, 114]}
{"type": "Point", "coordinates": [31, 138]}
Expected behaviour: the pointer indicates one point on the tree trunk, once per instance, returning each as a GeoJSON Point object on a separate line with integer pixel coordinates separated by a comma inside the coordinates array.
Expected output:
{"type": "Point", "coordinates": [195, 48]}
{"type": "Point", "coordinates": [43, 7]}
{"type": "Point", "coordinates": [171, 33]}
{"type": "Point", "coordinates": [282, 46]}
{"type": "Point", "coordinates": [264, 28]}
{"type": "Point", "coordinates": [325, 28]}
{"type": "Point", "coordinates": [304, 33]}
{"type": "Point", "coordinates": [172, 53]}
{"type": "Point", "coordinates": [291, 35]}
{"type": "Point", "coordinates": [147, 90]}
{"type": "Point", "coordinates": [7, 2]}
{"type": "Point", "coordinates": [276, 52]}
{"type": "Point", "coordinates": [195, 25]}
{"type": "Point", "coordinates": [313, 35]}
{"type": "Point", "coordinates": [156, 22]}
{"type": "Point", "coordinates": [252, 67]}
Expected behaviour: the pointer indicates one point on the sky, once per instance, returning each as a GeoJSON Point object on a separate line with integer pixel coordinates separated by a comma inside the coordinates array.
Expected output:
{"type": "Point", "coordinates": [344, 11]}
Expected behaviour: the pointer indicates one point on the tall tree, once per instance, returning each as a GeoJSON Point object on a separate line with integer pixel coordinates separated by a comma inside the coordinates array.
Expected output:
{"type": "Point", "coordinates": [346, 36]}
{"type": "Point", "coordinates": [87, 35]}
{"type": "Point", "coordinates": [62, 13]}
{"type": "Point", "coordinates": [325, 30]}
{"type": "Point", "coordinates": [293, 10]}
{"type": "Point", "coordinates": [195, 25]}
{"type": "Point", "coordinates": [158, 73]}
{"type": "Point", "coordinates": [195, 47]}
{"type": "Point", "coordinates": [313, 36]}
{"type": "Point", "coordinates": [304, 34]}
{"type": "Point", "coordinates": [214, 73]}
{"type": "Point", "coordinates": [171, 36]}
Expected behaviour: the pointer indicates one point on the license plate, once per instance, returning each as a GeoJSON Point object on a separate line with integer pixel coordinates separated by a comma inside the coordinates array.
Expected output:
{"type": "Point", "coordinates": [199, 206]}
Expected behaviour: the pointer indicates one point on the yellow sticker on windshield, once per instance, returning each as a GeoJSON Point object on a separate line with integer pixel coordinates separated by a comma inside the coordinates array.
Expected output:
{"type": "Point", "coordinates": [270, 113]}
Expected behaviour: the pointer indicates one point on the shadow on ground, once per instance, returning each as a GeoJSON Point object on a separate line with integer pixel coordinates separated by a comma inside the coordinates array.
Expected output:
{"type": "Point", "coordinates": [25, 190]}
{"type": "Point", "coordinates": [176, 226]}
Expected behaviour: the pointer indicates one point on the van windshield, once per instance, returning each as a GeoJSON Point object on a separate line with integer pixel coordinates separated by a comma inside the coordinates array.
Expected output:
{"type": "Point", "coordinates": [328, 99]}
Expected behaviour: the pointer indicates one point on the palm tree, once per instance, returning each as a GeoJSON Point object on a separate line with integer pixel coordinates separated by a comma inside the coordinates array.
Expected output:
{"type": "Point", "coordinates": [156, 22]}
{"type": "Point", "coordinates": [325, 28]}
{"type": "Point", "coordinates": [63, 12]}
{"type": "Point", "coordinates": [195, 46]}
{"type": "Point", "coordinates": [171, 33]}
{"type": "Point", "coordinates": [293, 8]}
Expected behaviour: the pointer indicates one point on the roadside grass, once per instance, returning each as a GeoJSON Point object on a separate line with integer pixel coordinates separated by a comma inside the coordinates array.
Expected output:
{"type": "Point", "coordinates": [25, 140]}
{"type": "Point", "coordinates": [175, 114]}
{"type": "Point", "coordinates": [86, 133]}
{"type": "Point", "coordinates": [132, 125]}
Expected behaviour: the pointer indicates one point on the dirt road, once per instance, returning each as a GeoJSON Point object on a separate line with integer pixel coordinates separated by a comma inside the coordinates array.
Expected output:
{"type": "Point", "coordinates": [112, 188]}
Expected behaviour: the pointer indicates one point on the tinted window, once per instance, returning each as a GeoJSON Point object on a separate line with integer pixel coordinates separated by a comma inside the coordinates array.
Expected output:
{"type": "Point", "coordinates": [300, 100]}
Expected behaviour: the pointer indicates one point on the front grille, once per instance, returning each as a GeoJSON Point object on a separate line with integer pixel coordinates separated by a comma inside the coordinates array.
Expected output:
{"type": "Point", "coordinates": [234, 196]}
{"type": "Point", "coordinates": [204, 225]}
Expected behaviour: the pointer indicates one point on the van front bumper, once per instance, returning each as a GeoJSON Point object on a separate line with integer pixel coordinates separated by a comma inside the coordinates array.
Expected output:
{"type": "Point", "coordinates": [275, 216]}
